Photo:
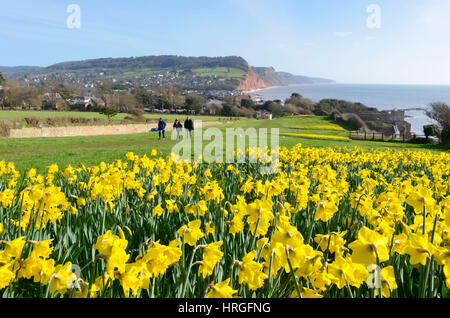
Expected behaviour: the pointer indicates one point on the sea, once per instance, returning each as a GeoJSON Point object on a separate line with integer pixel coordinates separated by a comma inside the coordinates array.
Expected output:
{"type": "Point", "coordinates": [415, 99]}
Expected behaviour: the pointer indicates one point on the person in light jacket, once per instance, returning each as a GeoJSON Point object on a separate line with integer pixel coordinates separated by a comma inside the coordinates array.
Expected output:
{"type": "Point", "coordinates": [178, 127]}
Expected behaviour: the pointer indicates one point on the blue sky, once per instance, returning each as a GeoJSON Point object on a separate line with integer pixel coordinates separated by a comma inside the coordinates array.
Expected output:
{"type": "Point", "coordinates": [325, 38]}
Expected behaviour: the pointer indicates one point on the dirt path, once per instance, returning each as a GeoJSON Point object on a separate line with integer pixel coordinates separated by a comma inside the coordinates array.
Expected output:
{"type": "Point", "coordinates": [74, 131]}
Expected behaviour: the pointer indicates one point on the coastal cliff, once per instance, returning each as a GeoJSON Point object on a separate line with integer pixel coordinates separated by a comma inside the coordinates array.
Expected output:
{"type": "Point", "coordinates": [252, 81]}
{"type": "Point", "coordinates": [273, 78]}
{"type": "Point", "coordinates": [270, 76]}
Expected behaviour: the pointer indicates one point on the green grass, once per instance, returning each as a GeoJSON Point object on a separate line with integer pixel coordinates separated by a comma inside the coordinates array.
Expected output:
{"type": "Point", "coordinates": [20, 115]}
{"type": "Point", "coordinates": [42, 152]}
{"type": "Point", "coordinates": [219, 72]}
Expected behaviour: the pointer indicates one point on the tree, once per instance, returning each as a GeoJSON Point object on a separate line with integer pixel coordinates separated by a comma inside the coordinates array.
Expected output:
{"type": "Point", "coordinates": [143, 97]}
{"type": "Point", "coordinates": [110, 112]}
{"type": "Point", "coordinates": [305, 105]}
{"type": "Point", "coordinates": [64, 92]}
{"type": "Point", "coordinates": [127, 101]}
{"type": "Point", "coordinates": [440, 112]}
{"type": "Point", "coordinates": [227, 111]}
{"type": "Point", "coordinates": [292, 109]}
{"type": "Point", "coordinates": [247, 103]}
{"type": "Point", "coordinates": [166, 104]}
{"type": "Point", "coordinates": [20, 96]}
{"type": "Point", "coordinates": [2, 79]}
{"type": "Point", "coordinates": [275, 109]}
{"type": "Point", "coordinates": [326, 106]}
{"type": "Point", "coordinates": [194, 103]}
{"type": "Point", "coordinates": [244, 112]}
{"type": "Point", "coordinates": [431, 130]}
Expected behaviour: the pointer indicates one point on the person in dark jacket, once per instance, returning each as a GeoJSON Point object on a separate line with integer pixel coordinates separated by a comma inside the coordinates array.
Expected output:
{"type": "Point", "coordinates": [178, 127]}
{"type": "Point", "coordinates": [162, 128]}
{"type": "Point", "coordinates": [189, 126]}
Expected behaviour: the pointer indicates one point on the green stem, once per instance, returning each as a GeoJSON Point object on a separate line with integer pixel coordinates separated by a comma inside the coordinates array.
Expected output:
{"type": "Point", "coordinates": [270, 275]}
{"type": "Point", "coordinates": [256, 231]}
{"type": "Point", "coordinates": [186, 281]}
{"type": "Point", "coordinates": [91, 281]}
{"type": "Point", "coordinates": [293, 275]}
{"type": "Point", "coordinates": [430, 261]}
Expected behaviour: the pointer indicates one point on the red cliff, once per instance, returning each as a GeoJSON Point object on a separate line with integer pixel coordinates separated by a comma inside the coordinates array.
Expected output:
{"type": "Point", "coordinates": [252, 81]}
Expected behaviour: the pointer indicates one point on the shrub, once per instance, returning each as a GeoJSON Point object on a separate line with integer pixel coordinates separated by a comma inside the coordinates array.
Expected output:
{"type": "Point", "coordinates": [244, 112]}
{"type": "Point", "coordinates": [381, 127]}
{"type": "Point", "coordinates": [445, 136]}
{"type": "Point", "coordinates": [32, 121]}
{"type": "Point", "coordinates": [431, 130]}
{"type": "Point", "coordinates": [4, 130]}
{"type": "Point", "coordinates": [352, 121]}
{"type": "Point", "coordinates": [137, 113]}
{"type": "Point", "coordinates": [110, 112]}
{"type": "Point", "coordinates": [335, 115]}
{"type": "Point", "coordinates": [419, 140]}
{"type": "Point", "coordinates": [57, 121]}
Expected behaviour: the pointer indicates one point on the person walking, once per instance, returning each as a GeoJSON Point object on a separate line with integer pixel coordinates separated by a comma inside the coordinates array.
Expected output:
{"type": "Point", "coordinates": [178, 127]}
{"type": "Point", "coordinates": [162, 128]}
{"type": "Point", "coordinates": [189, 126]}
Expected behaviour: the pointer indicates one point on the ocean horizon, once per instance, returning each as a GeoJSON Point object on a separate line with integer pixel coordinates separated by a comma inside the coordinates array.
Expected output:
{"type": "Point", "coordinates": [380, 96]}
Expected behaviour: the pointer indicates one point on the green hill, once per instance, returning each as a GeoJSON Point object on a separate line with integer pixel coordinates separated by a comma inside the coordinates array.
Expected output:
{"type": "Point", "coordinates": [154, 62]}
{"type": "Point", "coordinates": [193, 73]}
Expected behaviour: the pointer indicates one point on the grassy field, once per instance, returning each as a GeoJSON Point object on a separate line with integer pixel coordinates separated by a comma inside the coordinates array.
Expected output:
{"type": "Point", "coordinates": [42, 152]}
{"type": "Point", "coordinates": [20, 115]}
{"type": "Point", "coordinates": [219, 72]}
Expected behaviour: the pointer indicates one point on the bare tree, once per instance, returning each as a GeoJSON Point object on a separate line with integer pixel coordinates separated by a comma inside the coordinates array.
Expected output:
{"type": "Point", "coordinates": [440, 112]}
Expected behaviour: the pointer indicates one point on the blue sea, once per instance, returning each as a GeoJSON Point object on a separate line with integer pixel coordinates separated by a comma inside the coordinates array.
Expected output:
{"type": "Point", "coordinates": [382, 97]}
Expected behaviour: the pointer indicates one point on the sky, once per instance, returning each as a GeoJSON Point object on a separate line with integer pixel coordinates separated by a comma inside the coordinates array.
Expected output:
{"type": "Point", "coordinates": [350, 41]}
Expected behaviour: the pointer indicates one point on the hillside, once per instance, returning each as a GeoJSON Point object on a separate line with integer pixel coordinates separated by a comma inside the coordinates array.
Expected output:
{"type": "Point", "coordinates": [154, 62]}
{"type": "Point", "coordinates": [189, 73]}
{"type": "Point", "coordinates": [291, 79]}
{"type": "Point", "coordinates": [270, 76]}
{"type": "Point", "coordinates": [274, 78]}
{"type": "Point", "coordinates": [18, 69]}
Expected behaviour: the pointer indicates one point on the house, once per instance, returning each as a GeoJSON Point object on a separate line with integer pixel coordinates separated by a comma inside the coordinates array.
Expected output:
{"type": "Point", "coordinates": [97, 102]}
{"type": "Point", "coordinates": [81, 101]}
{"type": "Point", "coordinates": [53, 101]}
{"type": "Point", "coordinates": [86, 101]}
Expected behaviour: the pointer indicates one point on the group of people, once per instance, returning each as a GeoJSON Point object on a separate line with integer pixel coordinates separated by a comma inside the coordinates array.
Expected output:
{"type": "Point", "coordinates": [177, 126]}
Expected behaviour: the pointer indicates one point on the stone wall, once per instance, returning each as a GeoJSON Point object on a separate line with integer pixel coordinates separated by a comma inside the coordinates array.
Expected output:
{"type": "Point", "coordinates": [74, 131]}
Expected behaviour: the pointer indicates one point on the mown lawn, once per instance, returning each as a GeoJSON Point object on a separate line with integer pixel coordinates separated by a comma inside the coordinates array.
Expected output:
{"type": "Point", "coordinates": [21, 114]}
{"type": "Point", "coordinates": [42, 152]}
{"type": "Point", "coordinates": [226, 72]}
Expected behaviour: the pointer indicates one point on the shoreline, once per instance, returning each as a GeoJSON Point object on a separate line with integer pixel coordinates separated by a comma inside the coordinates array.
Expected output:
{"type": "Point", "coordinates": [383, 97]}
